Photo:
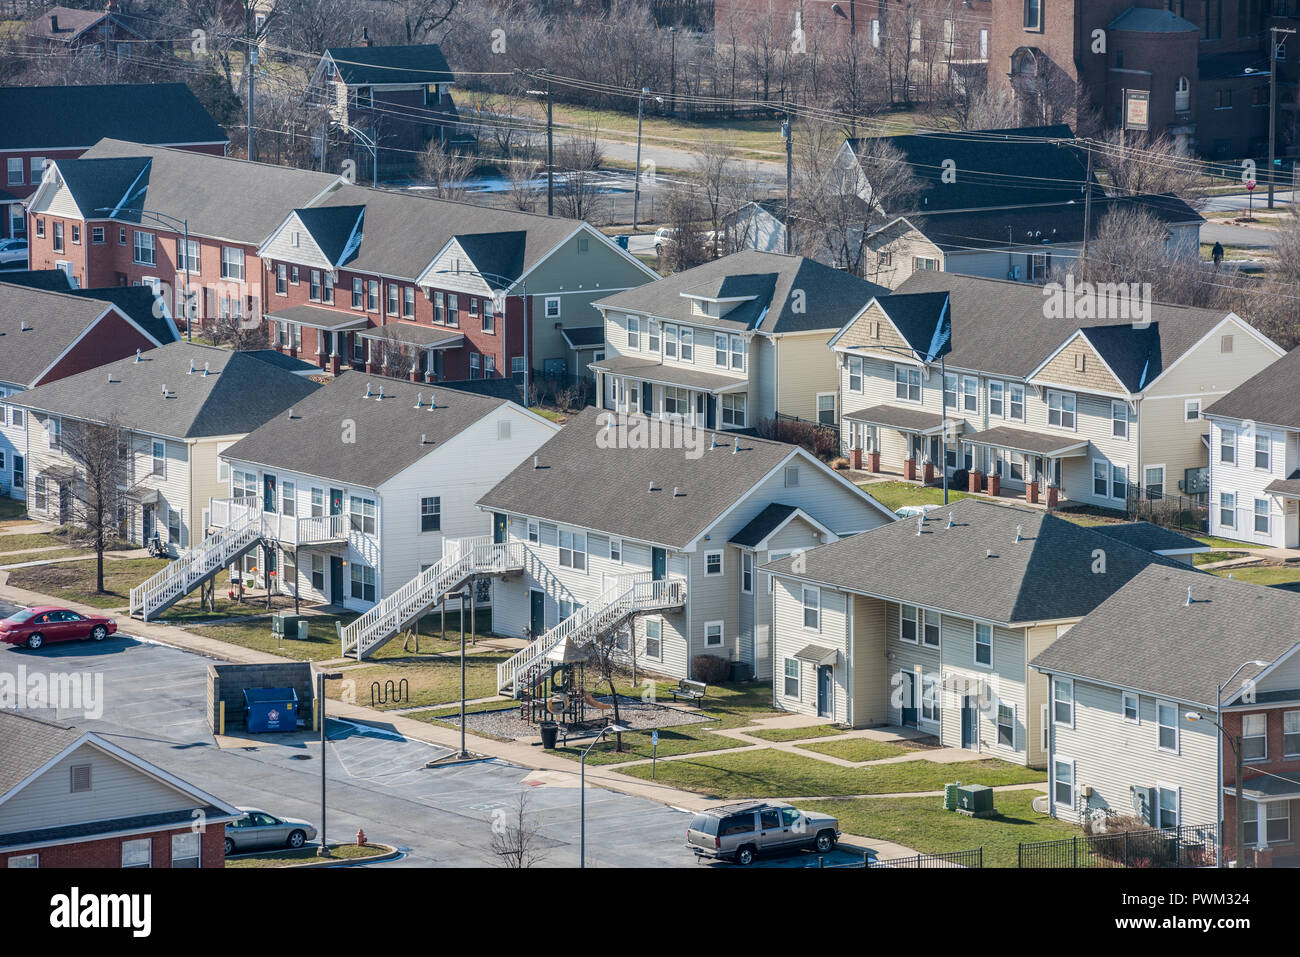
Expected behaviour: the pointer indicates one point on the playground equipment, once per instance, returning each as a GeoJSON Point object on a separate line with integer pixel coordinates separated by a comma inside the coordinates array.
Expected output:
{"type": "Point", "coordinates": [555, 690]}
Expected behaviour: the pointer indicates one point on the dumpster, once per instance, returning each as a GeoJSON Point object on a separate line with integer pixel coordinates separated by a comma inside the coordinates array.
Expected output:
{"type": "Point", "coordinates": [271, 709]}
{"type": "Point", "coordinates": [622, 241]}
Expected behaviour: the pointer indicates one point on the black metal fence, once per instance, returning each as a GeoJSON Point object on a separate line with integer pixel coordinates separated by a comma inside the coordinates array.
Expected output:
{"type": "Point", "coordinates": [1189, 515]}
{"type": "Point", "coordinates": [1189, 846]}
{"type": "Point", "coordinates": [971, 858]}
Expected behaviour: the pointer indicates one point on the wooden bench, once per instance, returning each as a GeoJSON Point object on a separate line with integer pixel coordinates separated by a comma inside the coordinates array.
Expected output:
{"type": "Point", "coordinates": [690, 690]}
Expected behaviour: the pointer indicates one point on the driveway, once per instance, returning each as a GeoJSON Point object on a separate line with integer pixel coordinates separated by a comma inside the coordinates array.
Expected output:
{"type": "Point", "coordinates": [153, 701]}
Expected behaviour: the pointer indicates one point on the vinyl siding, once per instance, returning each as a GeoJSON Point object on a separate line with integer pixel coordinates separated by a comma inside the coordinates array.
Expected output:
{"type": "Point", "coordinates": [1063, 370]}
{"type": "Point", "coordinates": [805, 367]}
{"type": "Point", "coordinates": [870, 704]}
{"type": "Point", "coordinates": [792, 636]}
{"type": "Point", "coordinates": [1248, 483]}
{"type": "Point", "coordinates": [1113, 756]}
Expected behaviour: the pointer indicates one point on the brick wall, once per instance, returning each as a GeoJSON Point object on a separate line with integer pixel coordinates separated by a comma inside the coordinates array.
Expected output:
{"type": "Point", "coordinates": [107, 852]}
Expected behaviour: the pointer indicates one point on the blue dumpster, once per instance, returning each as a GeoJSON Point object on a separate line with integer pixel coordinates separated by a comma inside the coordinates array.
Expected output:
{"type": "Point", "coordinates": [622, 241]}
{"type": "Point", "coordinates": [271, 709]}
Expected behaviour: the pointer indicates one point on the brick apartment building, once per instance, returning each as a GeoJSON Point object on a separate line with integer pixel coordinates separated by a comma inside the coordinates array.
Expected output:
{"type": "Point", "coordinates": [1197, 70]}
{"type": "Point", "coordinates": [41, 124]}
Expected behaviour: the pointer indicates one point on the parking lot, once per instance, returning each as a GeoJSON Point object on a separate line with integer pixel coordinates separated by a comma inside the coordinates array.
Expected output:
{"type": "Point", "coordinates": [153, 700]}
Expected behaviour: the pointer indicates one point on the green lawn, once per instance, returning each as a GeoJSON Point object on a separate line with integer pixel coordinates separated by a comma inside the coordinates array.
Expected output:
{"type": "Point", "coordinates": [20, 557]}
{"type": "Point", "coordinates": [431, 681]}
{"type": "Point", "coordinates": [795, 734]}
{"type": "Point", "coordinates": [1207, 558]}
{"type": "Point", "coordinates": [75, 581]}
{"type": "Point", "coordinates": [551, 414]}
{"type": "Point", "coordinates": [727, 707]}
{"type": "Point", "coordinates": [923, 824]}
{"type": "Point", "coordinates": [894, 495]}
{"type": "Point", "coordinates": [305, 855]}
{"type": "Point", "coordinates": [1279, 575]}
{"type": "Point", "coordinates": [768, 773]}
{"type": "Point", "coordinates": [26, 542]}
{"type": "Point", "coordinates": [859, 749]}
{"type": "Point", "coordinates": [1213, 541]}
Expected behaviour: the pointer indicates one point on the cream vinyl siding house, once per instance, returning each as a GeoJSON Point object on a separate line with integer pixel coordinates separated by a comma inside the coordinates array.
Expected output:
{"type": "Point", "coordinates": [709, 523]}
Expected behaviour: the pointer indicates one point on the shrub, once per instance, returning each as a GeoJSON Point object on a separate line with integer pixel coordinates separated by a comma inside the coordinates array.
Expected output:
{"type": "Point", "coordinates": [710, 669]}
{"type": "Point", "coordinates": [840, 464]}
{"type": "Point", "coordinates": [816, 439]}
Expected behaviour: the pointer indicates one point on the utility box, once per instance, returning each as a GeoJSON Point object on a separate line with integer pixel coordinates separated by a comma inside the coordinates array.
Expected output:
{"type": "Point", "coordinates": [975, 800]}
{"type": "Point", "coordinates": [271, 709]}
{"type": "Point", "coordinates": [302, 629]}
{"type": "Point", "coordinates": [286, 624]}
{"type": "Point", "coordinates": [950, 796]}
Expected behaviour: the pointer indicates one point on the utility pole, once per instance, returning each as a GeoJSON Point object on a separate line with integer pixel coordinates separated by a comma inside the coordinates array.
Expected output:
{"type": "Point", "coordinates": [788, 136]}
{"type": "Point", "coordinates": [672, 71]}
{"type": "Point", "coordinates": [1087, 206]}
{"type": "Point", "coordinates": [636, 172]}
{"type": "Point", "coordinates": [550, 150]}
{"type": "Point", "coordinates": [251, 66]}
{"type": "Point", "coordinates": [1272, 104]}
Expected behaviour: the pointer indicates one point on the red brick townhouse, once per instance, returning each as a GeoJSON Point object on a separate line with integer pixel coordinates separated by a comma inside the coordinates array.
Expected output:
{"type": "Point", "coordinates": [118, 216]}
{"type": "Point", "coordinates": [450, 284]}
{"type": "Point", "coordinates": [47, 123]}
{"type": "Point", "coordinates": [71, 798]}
{"type": "Point", "coordinates": [333, 266]}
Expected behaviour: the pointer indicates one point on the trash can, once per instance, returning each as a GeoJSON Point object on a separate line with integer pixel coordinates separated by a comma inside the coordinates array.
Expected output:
{"type": "Point", "coordinates": [740, 671]}
{"type": "Point", "coordinates": [622, 241]}
{"type": "Point", "coordinates": [302, 629]}
{"type": "Point", "coordinates": [550, 732]}
{"type": "Point", "coordinates": [271, 709]}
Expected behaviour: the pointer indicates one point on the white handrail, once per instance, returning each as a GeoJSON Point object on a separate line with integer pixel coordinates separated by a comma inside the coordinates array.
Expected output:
{"type": "Point", "coordinates": [594, 618]}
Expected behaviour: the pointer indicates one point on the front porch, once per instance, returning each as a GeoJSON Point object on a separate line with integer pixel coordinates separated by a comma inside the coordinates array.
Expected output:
{"type": "Point", "coordinates": [643, 386]}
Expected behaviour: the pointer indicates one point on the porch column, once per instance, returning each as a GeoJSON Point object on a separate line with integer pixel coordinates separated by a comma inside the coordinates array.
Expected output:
{"type": "Point", "coordinates": [1053, 491]}
{"type": "Point", "coordinates": [909, 460]}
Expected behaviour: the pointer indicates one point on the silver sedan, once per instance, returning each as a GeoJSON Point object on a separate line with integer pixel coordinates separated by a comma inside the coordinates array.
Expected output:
{"type": "Point", "coordinates": [259, 829]}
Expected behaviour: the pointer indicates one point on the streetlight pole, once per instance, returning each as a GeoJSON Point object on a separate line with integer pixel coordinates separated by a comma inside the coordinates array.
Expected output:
{"type": "Point", "coordinates": [636, 188]}
{"type": "Point", "coordinates": [1272, 104]}
{"type": "Point", "coordinates": [321, 677]}
{"type": "Point", "coordinates": [582, 789]}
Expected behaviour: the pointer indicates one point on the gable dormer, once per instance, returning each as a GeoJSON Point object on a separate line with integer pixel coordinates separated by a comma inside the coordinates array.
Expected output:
{"type": "Point", "coordinates": [1077, 365]}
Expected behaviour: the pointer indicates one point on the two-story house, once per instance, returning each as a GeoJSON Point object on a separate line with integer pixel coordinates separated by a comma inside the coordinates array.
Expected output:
{"type": "Point", "coordinates": [1254, 440]}
{"type": "Point", "coordinates": [399, 97]}
{"type": "Point", "coordinates": [71, 798]}
{"type": "Point", "coordinates": [931, 623]}
{"type": "Point", "coordinates": [1014, 385]}
{"type": "Point", "coordinates": [1153, 693]}
{"type": "Point", "coordinates": [612, 508]}
{"type": "Point", "coordinates": [360, 488]}
{"type": "Point", "coordinates": [730, 343]}
{"type": "Point", "coordinates": [466, 291]}
{"type": "Point", "coordinates": [122, 213]}
{"type": "Point", "coordinates": [178, 406]}
{"type": "Point", "coordinates": [47, 334]}
{"type": "Point", "coordinates": [47, 123]}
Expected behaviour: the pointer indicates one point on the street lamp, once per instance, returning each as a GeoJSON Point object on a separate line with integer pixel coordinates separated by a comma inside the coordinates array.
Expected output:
{"type": "Point", "coordinates": [582, 788]}
{"type": "Point", "coordinates": [321, 678]}
{"type": "Point", "coordinates": [636, 189]}
{"type": "Point", "coordinates": [1218, 751]}
{"type": "Point", "coordinates": [528, 318]}
{"type": "Point", "coordinates": [166, 220]}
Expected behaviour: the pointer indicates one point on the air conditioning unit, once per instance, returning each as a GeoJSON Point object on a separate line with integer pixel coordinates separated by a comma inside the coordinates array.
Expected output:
{"type": "Point", "coordinates": [1013, 272]}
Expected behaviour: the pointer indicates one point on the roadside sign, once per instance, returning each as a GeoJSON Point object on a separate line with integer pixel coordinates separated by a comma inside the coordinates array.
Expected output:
{"type": "Point", "coordinates": [654, 755]}
{"type": "Point", "coordinates": [1250, 185]}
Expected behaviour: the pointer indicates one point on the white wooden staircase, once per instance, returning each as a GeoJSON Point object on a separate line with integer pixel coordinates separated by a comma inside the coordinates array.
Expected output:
{"type": "Point", "coordinates": [619, 603]}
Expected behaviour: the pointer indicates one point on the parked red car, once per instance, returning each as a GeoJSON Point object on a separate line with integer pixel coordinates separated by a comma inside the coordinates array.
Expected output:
{"type": "Point", "coordinates": [33, 627]}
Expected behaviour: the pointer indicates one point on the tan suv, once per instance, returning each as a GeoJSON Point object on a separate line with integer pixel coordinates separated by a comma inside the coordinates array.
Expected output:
{"type": "Point", "coordinates": [741, 832]}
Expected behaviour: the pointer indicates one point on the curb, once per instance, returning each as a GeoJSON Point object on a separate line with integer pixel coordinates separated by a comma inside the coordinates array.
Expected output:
{"type": "Point", "coordinates": [390, 853]}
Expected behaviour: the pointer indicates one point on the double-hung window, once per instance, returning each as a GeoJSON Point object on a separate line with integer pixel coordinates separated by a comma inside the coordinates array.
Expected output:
{"type": "Point", "coordinates": [1119, 420]}
{"type": "Point", "coordinates": [1262, 516]}
{"type": "Point", "coordinates": [930, 629]}
{"type": "Point", "coordinates": [812, 608]}
{"type": "Point", "coordinates": [907, 383]}
{"type": "Point", "coordinates": [1006, 725]}
{"type": "Point", "coordinates": [1290, 733]}
{"type": "Point", "coordinates": [983, 645]}
{"type": "Point", "coordinates": [187, 253]}
{"type": "Point", "coordinates": [747, 572]}
{"type": "Point", "coordinates": [489, 324]}
{"type": "Point", "coordinates": [1060, 409]}
{"type": "Point", "coordinates": [970, 401]}
{"type": "Point", "coordinates": [1063, 783]}
{"type": "Point", "coordinates": [363, 582]}
{"type": "Point", "coordinates": [160, 458]}
{"type": "Point", "coordinates": [439, 307]}
{"type": "Point", "coordinates": [854, 365]}
{"type": "Point", "coordinates": [1167, 807]}
{"type": "Point", "coordinates": [1254, 737]}
{"type": "Point", "coordinates": [909, 616]}
{"type": "Point", "coordinates": [313, 291]}
{"type": "Point", "coordinates": [1063, 701]}
{"type": "Point", "coordinates": [281, 279]}
{"type": "Point", "coordinates": [232, 263]}
{"type": "Point", "coordinates": [144, 248]}
{"type": "Point", "coordinates": [738, 353]}
{"type": "Point", "coordinates": [1277, 822]}
{"type": "Point", "coordinates": [431, 513]}
{"type": "Point", "coordinates": [950, 390]}
{"type": "Point", "coordinates": [358, 293]}
{"type": "Point", "coordinates": [688, 344]}
{"type": "Point", "coordinates": [1228, 509]}
{"type": "Point", "coordinates": [573, 549]}
{"type": "Point", "coordinates": [720, 348]}
{"type": "Point", "coordinates": [654, 630]}
{"type": "Point", "coordinates": [733, 410]}
{"type": "Point", "coordinates": [288, 498]}
{"type": "Point", "coordinates": [1262, 450]}
{"type": "Point", "coordinates": [997, 400]}
{"type": "Point", "coordinates": [408, 302]}
{"type": "Point", "coordinates": [670, 341]}
{"type": "Point", "coordinates": [1016, 402]}
{"type": "Point", "coordinates": [453, 309]}
{"type": "Point", "coordinates": [372, 296]}
{"type": "Point", "coordinates": [653, 341]}
{"type": "Point", "coordinates": [363, 514]}
{"type": "Point", "coordinates": [633, 332]}
{"type": "Point", "coordinates": [1227, 445]}
{"type": "Point", "coordinates": [55, 429]}
{"type": "Point", "coordinates": [394, 298]}
{"type": "Point", "coordinates": [790, 674]}
{"type": "Point", "coordinates": [1167, 723]}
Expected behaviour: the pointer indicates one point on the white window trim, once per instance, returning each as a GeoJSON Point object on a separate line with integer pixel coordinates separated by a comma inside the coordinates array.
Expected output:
{"type": "Point", "coordinates": [920, 400]}
{"type": "Point", "coordinates": [835, 405]}
{"type": "Point", "coordinates": [1246, 760]}
{"type": "Point", "coordinates": [1074, 787]}
{"type": "Point", "coordinates": [803, 602]}
{"type": "Point", "coordinates": [923, 622]}
{"type": "Point", "coordinates": [552, 300]}
{"type": "Point", "coordinates": [1123, 707]}
{"type": "Point", "coordinates": [1254, 453]}
{"type": "Point", "coordinates": [988, 399]}
{"type": "Point", "coordinates": [1117, 405]}
{"type": "Point", "coordinates": [658, 619]}
{"type": "Point", "coordinates": [1178, 802]}
{"type": "Point", "coordinates": [901, 636]}
{"type": "Point", "coordinates": [612, 559]}
{"type": "Point", "coordinates": [752, 570]}
{"type": "Point", "coordinates": [1047, 400]}
{"type": "Point", "coordinates": [1178, 731]}
{"type": "Point", "coordinates": [1187, 406]}
{"type": "Point", "coordinates": [722, 637]}
{"type": "Point", "coordinates": [1070, 683]}
{"type": "Point", "coordinates": [975, 644]}
{"type": "Point", "coordinates": [1024, 401]}
{"type": "Point", "coordinates": [860, 374]}
{"type": "Point", "coordinates": [721, 563]}
{"type": "Point", "coordinates": [798, 681]}
{"type": "Point", "coordinates": [1218, 508]}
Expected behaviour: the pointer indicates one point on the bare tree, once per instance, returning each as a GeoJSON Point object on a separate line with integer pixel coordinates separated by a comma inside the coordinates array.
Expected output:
{"type": "Point", "coordinates": [723, 186]}
{"type": "Point", "coordinates": [447, 170]}
{"type": "Point", "coordinates": [102, 488]}
{"type": "Point", "coordinates": [980, 107]}
{"type": "Point", "coordinates": [1138, 163]}
{"type": "Point", "coordinates": [578, 193]}
{"type": "Point", "coordinates": [688, 246]}
{"type": "Point", "coordinates": [525, 189]}
{"type": "Point", "coordinates": [516, 835]}
{"type": "Point", "coordinates": [237, 332]}
{"type": "Point", "coordinates": [396, 358]}
{"type": "Point", "coordinates": [608, 659]}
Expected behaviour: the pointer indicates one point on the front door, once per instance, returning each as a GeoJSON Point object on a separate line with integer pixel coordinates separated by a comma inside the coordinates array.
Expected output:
{"type": "Point", "coordinates": [968, 722]}
{"type": "Point", "coordinates": [336, 579]}
{"type": "Point", "coordinates": [500, 529]}
{"type": "Point", "coordinates": [268, 493]}
{"type": "Point", "coordinates": [147, 527]}
{"type": "Point", "coordinates": [658, 564]}
{"type": "Point", "coordinates": [907, 688]}
{"type": "Point", "coordinates": [336, 501]}
{"type": "Point", "coordinates": [711, 413]}
{"type": "Point", "coordinates": [647, 398]}
{"type": "Point", "coordinates": [537, 612]}
{"type": "Point", "coordinates": [825, 692]}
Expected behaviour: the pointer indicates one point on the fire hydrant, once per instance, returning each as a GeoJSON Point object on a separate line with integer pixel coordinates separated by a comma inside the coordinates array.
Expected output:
{"type": "Point", "coordinates": [361, 838]}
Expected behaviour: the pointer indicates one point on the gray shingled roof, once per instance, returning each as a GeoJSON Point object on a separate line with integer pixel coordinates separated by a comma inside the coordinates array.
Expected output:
{"type": "Point", "coordinates": [147, 308]}
{"type": "Point", "coordinates": [1147, 638]}
{"type": "Point", "coordinates": [39, 117]}
{"type": "Point", "coordinates": [763, 524]}
{"type": "Point", "coordinates": [26, 744]}
{"type": "Point", "coordinates": [54, 320]}
{"type": "Point", "coordinates": [1000, 327]}
{"type": "Point", "coordinates": [319, 317]}
{"type": "Point", "coordinates": [376, 65]}
{"type": "Point", "coordinates": [1023, 440]}
{"type": "Point", "coordinates": [1048, 574]}
{"type": "Point", "coordinates": [831, 297]}
{"type": "Point", "coordinates": [655, 371]}
{"type": "Point", "coordinates": [388, 432]}
{"type": "Point", "coordinates": [1289, 486]}
{"type": "Point", "coordinates": [1269, 397]}
{"type": "Point", "coordinates": [239, 393]}
{"type": "Point", "coordinates": [898, 417]}
{"type": "Point", "coordinates": [1149, 537]}
{"type": "Point", "coordinates": [607, 488]}
{"type": "Point", "coordinates": [222, 198]}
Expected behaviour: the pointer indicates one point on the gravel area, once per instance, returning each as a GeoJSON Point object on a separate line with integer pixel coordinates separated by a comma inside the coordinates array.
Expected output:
{"type": "Point", "coordinates": [636, 714]}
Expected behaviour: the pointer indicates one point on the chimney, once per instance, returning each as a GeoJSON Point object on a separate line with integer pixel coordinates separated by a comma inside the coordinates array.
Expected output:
{"type": "Point", "coordinates": [365, 37]}
{"type": "Point", "coordinates": [54, 23]}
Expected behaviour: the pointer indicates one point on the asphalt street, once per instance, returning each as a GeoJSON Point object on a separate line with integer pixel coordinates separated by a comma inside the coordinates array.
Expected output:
{"type": "Point", "coordinates": [153, 700]}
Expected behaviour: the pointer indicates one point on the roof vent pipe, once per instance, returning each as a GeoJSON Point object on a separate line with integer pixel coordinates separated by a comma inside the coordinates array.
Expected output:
{"type": "Point", "coordinates": [367, 395]}
{"type": "Point", "coordinates": [920, 525]}
{"type": "Point", "coordinates": [1019, 530]}
{"type": "Point", "coordinates": [950, 519]}
{"type": "Point", "coordinates": [1189, 594]}
{"type": "Point", "coordinates": [736, 448]}
{"type": "Point", "coordinates": [191, 372]}
{"type": "Point", "coordinates": [419, 399]}
{"type": "Point", "coordinates": [205, 368]}
{"type": "Point", "coordinates": [537, 462]}
{"type": "Point", "coordinates": [137, 355]}
{"type": "Point", "coordinates": [715, 441]}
